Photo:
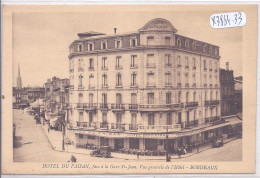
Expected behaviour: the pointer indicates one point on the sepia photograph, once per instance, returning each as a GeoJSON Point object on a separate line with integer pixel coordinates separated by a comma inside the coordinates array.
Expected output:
{"type": "Point", "coordinates": [160, 86]}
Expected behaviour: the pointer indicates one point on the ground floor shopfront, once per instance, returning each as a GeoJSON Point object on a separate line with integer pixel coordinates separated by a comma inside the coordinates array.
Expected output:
{"type": "Point", "coordinates": [121, 141]}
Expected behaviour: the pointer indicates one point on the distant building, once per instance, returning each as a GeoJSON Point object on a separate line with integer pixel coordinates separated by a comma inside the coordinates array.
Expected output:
{"type": "Point", "coordinates": [35, 93]}
{"type": "Point", "coordinates": [227, 92]}
{"type": "Point", "coordinates": [57, 93]}
{"type": "Point", "coordinates": [238, 93]}
{"type": "Point", "coordinates": [20, 98]}
{"type": "Point", "coordinates": [19, 79]}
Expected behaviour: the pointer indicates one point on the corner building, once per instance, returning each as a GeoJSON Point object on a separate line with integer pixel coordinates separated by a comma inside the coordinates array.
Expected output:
{"type": "Point", "coordinates": [130, 90]}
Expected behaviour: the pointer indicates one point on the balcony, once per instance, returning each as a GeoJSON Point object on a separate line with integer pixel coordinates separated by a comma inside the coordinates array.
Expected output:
{"type": "Point", "coordinates": [168, 65]}
{"type": "Point", "coordinates": [133, 127]}
{"type": "Point", "coordinates": [178, 85]}
{"type": "Point", "coordinates": [104, 126]}
{"type": "Point", "coordinates": [191, 104]}
{"type": "Point", "coordinates": [118, 67]}
{"type": "Point", "coordinates": [91, 69]}
{"type": "Point", "coordinates": [151, 65]}
{"type": "Point", "coordinates": [211, 103]}
{"type": "Point", "coordinates": [205, 85]}
{"type": "Point", "coordinates": [104, 86]}
{"type": "Point", "coordinates": [80, 105]}
{"type": "Point", "coordinates": [214, 120]}
{"type": "Point", "coordinates": [119, 85]}
{"type": "Point", "coordinates": [117, 107]}
{"type": "Point", "coordinates": [194, 85]}
{"type": "Point", "coordinates": [179, 66]}
{"type": "Point", "coordinates": [153, 107]}
{"type": "Point", "coordinates": [104, 68]}
{"type": "Point", "coordinates": [133, 107]}
{"type": "Point", "coordinates": [118, 126]}
{"type": "Point", "coordinates": [90, 106]}
{"type": "Point", "coordinates": [133, 66]}
{"type": "Point", "coordinates": [159, 128]}
{"type": "Point", "coordinates": [210, 85]}
{"type": "Point", "coordinates": [187, 67]}
{"type": "Point", "coordinates": [194, 68]}
{"type": "Point", "coordinates": [190, 124]}
{"type": "Point", "coordinates": [91, 86]}
{"type": "Point", "coordinates": [80, 87]}
{"type": "Point", "coordinates": [187, 85]}
{"type": "Point", "coordinates": [150, 85]}
{"type": "Point", "coordinates": [80, 69]}
{"type": "Point", "coordinates": [168, 84]}
{"type": "Point", "coordinates": [103, 106]}
{"type": "Point", "coordinates": [87, 125]}
{"type": "Point", "coordinates": [216, 86]}
{"type": "Point", "coordinates": [134, 85]}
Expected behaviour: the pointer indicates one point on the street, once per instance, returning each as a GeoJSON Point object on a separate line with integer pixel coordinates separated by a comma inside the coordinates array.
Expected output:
{"type": "Point", "coordinates": [32, 145]}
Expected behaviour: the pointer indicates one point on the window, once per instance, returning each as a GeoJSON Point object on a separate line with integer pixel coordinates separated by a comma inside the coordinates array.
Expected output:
{"type": "Point", "coordinates": [169, 118]}
{"type": "Point", "coordinates": [133, 42]}
{"type": "Point", "coordinates": [91, 99]}
{"type": "Point", "coordinates": [187, 44]}
{"type": "Point", "coordinates": [104, 98]}
{"type": "Point", "coordinates": [118, 62]}
{"type": "Point", "coordinates": [104, 80]}
{"type": "Point", "coordinates": [216, 95]}
{"type": "Point", "coordinates": [210, 50]}
{"type": "Point", "coordinates": [168, 78]}
{"type": "Point", "coordinates": [118, 44]}
{"type": "Point", "coordinates": [205, 64]}
{"type": "Point", "coordinates": [179, 61]}
{"type": "Point", "coordinates": [186, 62]}
{"type": "Point", "coordinates": [150, 40]}
{"type": "Point", "coordinates": [104, 45]}
{"type": "Point", "coordinates": [167, 40]}
{"type": "Point", "coordinates": [186, 77]}
{"type": "Point", "coordinates": [206, 96]}
{"type": "Point", "coordinates": [150, 60]}
{"type": "Point", "coordinates": [81, 119]}
{"type": "Point", "coordinates": [179, 42]}
{"type": "Point", "coordinates": [80, 80]}
{"type": "Point", "coordinates": [168, 61]}
{"type": "Point", "coordinates": [216, 67]}
{"type": "Point", "coordinates": [211, 96]}
{"type": "Point", "coordinates": [118, 98]}
{"type": "Point", "coordinates": [204, 48]}
{"type": "Point", "coordinates": [90, 47]}
{"type": "Point", "coordinates": [210, 65]}
{"type": "Point", "coordinates": [194, 63]}
{"type": "Point", "coordinates": [150, 79]}
{"type": "Point", "coordinates": [194, 46]}
{"type": "Point", "coordinates": [187, 97]}
{"type": "Point", "coordinates": [216, 111]}
{"type": "Point", "coordinates": [206, 113]}
{"type": "Point", "coordinates": [133, 60]}
{"type": "Point", "coordinates": [90, 117]}
{"type": "Point", "coordinates": [205, 79]}
{"type": "Point", "coordinates": [168, 98]}
{"type": "Point", "coordinates": [80, 135]}
{"type": "Point", "coordinates": [133, 98]}
{"type": "Point", "coordinates": [179, 97]}
{"type": "Point", "coordinates": [104, 117]}
{"type": "Point", "coordinates": [133, 79]}
{"type": "Point", "coordinates": [150, 119]}
{"type": "Point", "coordinates": [80, 98]}
{"type": "Point", "coordinates": [178, 77]}
{"type": "Point", "coordinates": [194, 78]}
{"type": "Point", "coordinates": [150, 98]}
{"type": "Point", "coordinates": [194, 97]}
{"type": "Point", "coordinates": [91, 63]}
{"type": "Point", "coordinates": [79, 47]}
{"type": "Point", "coordinates": [118, 80]}
{"type": "Point", "coordinates": [80, 65]}
{"type": "Point", "coordinates": [91, 81]}
{"type": "Point", "coordinates": [104, 63]}
{"type": "Point", "coordinates": [133, 120]}
{"type": "Point", "coordinates": [118, 119]}
{"type": "Point", "coordinates": [71, 65]}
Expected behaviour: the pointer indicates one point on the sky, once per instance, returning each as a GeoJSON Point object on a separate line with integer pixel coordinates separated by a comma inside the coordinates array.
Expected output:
{"type": "Point", "coordinates": [41, 40]}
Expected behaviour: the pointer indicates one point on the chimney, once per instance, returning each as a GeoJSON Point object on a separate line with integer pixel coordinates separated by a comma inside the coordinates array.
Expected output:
{"type": "Point", "coordinates": [227, 65]}
{"type": "Point", "coordinates": [115, 30]}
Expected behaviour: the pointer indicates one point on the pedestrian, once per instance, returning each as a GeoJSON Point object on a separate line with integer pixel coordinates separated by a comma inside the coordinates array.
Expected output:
{"type": "Point", "coordinates": [138, 154]}
{"type": "Point", "coordinates": [48, 129]}
{"type": "Point", "coordinates": [197, 147]}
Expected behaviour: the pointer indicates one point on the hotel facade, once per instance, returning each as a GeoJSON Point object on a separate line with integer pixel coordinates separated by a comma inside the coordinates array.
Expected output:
{"type": "Point", "coordinates": [129, 91]}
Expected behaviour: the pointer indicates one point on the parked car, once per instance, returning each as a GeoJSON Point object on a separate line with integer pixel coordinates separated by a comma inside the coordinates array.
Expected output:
{"type": "Point", "coordinates": [103, 151]}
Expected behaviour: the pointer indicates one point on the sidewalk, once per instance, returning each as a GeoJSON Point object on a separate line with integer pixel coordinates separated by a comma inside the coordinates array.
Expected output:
{"type": "Point", "coordinates": [55, 139]}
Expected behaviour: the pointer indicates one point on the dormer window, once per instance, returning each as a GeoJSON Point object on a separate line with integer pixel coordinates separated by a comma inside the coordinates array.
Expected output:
{"type": "Point", "coordinates": [210, 50]}
{"type": "Point", "coordinates": [179, 42]}
{"type": "Point", "coordinates": [80, 47]}
{"type": "Point", "coordinates": [118, 43]}
{"type": "Point", "coordinates": [204, 48]}
{"type": "Point", "coordinates": [90, 46]}
{"type": "Point", "coordinates": [167, 40]}
{"type": "Point", "coordinates": [133, 41]}
{"type": "Point", "coordinates": [150, 40]}
{"type": "Point", "coordinates": [104, 44]}
{"type": "Point", "coordinates": [194, 46]}
{"type": "Point", "coordinates": [216, 52]}
{"type": "Point", "coordinates": [186, 44]}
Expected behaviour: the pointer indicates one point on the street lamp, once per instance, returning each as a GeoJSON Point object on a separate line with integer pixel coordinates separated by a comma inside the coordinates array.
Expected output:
{"type": "Point", "coordinates": [167, 154]}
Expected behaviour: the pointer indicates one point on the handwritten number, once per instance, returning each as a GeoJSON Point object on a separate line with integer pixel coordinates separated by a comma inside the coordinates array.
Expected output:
{"type": "Point", "coordinates": [240, 17]}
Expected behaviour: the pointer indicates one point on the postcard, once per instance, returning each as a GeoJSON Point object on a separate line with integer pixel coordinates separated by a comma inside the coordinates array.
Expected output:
{"type": "Point", "coordinates": [129, 89]}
